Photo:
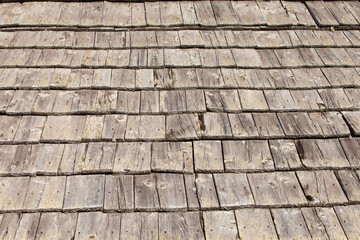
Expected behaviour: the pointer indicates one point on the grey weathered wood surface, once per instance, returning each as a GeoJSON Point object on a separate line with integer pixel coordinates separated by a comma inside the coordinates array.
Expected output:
{"type": "Point", "coordinates": [249, 225]}
{"type": "Point", "coordinates": [179, 120]}
{"type": "Point", "coordinates": [180, 226]}
{"type": "Point", "coordinates": [280, 188]}
{"type": "Point", "coordinates": [226, 221]}
{"type": "Point", "coordinates": [323, 222]}
{"type": "Point", "coordinates": [290, 223]}
{"type": "Point", "coordinates": [84, 192]}
{"type": "Point", "coordinates": [321, 186]}
{"type": "Point", "coordinates": [206, 191]}
{"type": "Point", "coordinates": [233, 190]}
{"type": "Point", "coordinates": [146, 194]}
{"type": "Point", "coordinates": [119, 192]}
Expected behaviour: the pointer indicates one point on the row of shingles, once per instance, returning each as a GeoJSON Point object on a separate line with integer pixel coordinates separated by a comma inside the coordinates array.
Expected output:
{"type": "Point", "coordinates": [207, 156]}
{"type": "Point", "coordinates": [339, 13]}
{"type": "Point", "coordinates": [178, 78]}
{"type": "Point", "coordinates": [178, 38]}
{"type": "Point", "coordinates": [77, 128]}
{"type": "Point", "coordinates": [163, 13]}
{"type": "Point", "coordinates": [155, 58]}
{"type": "Point", "coordinates": [15, 102]}
{"type": "Point", "coordinates": [317, 222]}
{"type": "Point", "coordinates": [101, 101]}
{"type": "Point", "coordinates": [170, 191]}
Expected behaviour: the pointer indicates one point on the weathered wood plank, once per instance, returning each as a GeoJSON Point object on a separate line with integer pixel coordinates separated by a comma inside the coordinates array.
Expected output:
{"type": "Point", "coordinates": [233, 190]}
{"type": "Point", "coordinates": [307, 99]}
{"type": "Point", "coordinates": [268, 125]}
{"type": "Point", "coordinates": [150, 102]}
{"type": "Point", "coordinates": [217, 125]}
{"type": "Point", "coordinates": [321, 187]}
{"type": "Point", "coordinates": [280, 100]}
{"type": "Point", "coordinates": [56, 225]}
{"type": "Point", "coordinates": [13, 192]}
{"type": "Point", "coordinates": [128, 102]}
{"type": "Point", "coordinates": [349, 219]}
{"type": "Point", "coordinates": [323, 223]}
{"type": "Point", "coordinates": [206, 191]}
{"type": "Point", "coordinates": [350, 183]}
{"type": "Point", "coordinates": [297, 124]}
{"type": "Point", "coordinates": [63, 128]}
{"type": "Point", "coordinates": [248, 12]}
{"type": "Point", "coordinates": [290, 223]}
{"type": "Point", "coordinates": [22, 101]}
{"type": "Point", "coordinates": [351, 147]}
{"type": "Point", "coordinates": [220, 225]}
{"type": "Point", "coordinates": [253, 100]}
{"type": "Point", "coordinates": [93, 128]}
{"type": "Point", "coordinates": [188, 12]}
{"type": "Point", "coordinates": [27, 226]}
{"type": "Point", "coordinates": [322, 15]}
{"type": "Point", "coordinates": [173, 101]}
{"type": "Point", "coordinates": [70, 154]}
{"type": "Point", "coordinates": [183, 126]}
{"type": "Point", "coordinates": [70, 14]}
{"type": "Point", "coordinates": [208, 156]}
{"type": "Point", "coordinates": [284, 154]}
{"type": "Point", "coordinates": [119, 192]}
{"type": "Point", "coordinates": [191, 192]}
{"type": "Point", "coordinates": [180, 226]}
{"type": "Point", "coordinates": [277, 188]}
{"type": "Point", "coordinates": [98, 225]}
{"type": "Point", "coordinates": [274, 13]}
{"type": "Point", "coordinates": [152, 10]}
{"type": "Point", "coordinates": [171, 190]}
{"type": "Point", "coordinates": [321, 153]}
{"type": "Point", "coordinates": [84, 192]}
{"type": "Point", "coordinates": [5, 98]}
{"type": "Point", "coordinates": [9, 225]}
{"type": "Point", "coordinates": [335, 99]}
{"type": "Point", "coordinates": [247, 155]}
{"type": "Point", "coordinates": [45, 193]}
{"type": "Point", "coordinates": [99, 158]}
{"type": "Point", "coordinates": [341, 13]}
{"type": "Point", "coordinates": [222, 101]}
{"type": "Point", "coordinates": [170, 14]}
{"type": "Point", "coordinates": [145, 127]}
{"type": "Point", "coordinates": [146, 195]}
{"type": "Point", "coordinates": [134, 157]}
{"type": "Point", "coordinates": [114, 127]}
{"type": "Point", "coordinates": [30, 129]}
{"type": "Point", "coordinates": [243, 125]}
{"type": "Point", "coordinates": [204, 13]}
{"type": "Point", "coordinates": [298, 13]}
{"type": "Point", "coordinates": [353, 118]}
{"type": "Point", "coordinates": [172, 157]}
{"type": "Point", "coordinates": [44, 102]}
{"type": "Point", "coordinates": [224, 13]}
{"type": "Point", "coordinates": [139, 225]}
{"type": "Point", "coordinates": [249, 224]}
{"type": "Point", "coordinates": [137, 14]}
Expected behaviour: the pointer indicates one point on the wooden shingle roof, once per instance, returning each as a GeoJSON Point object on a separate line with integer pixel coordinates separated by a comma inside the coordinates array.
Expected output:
{"type": "Point", "coordinates": [180, 120]}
